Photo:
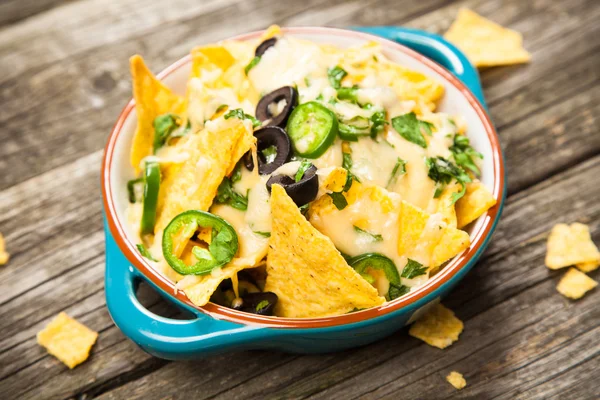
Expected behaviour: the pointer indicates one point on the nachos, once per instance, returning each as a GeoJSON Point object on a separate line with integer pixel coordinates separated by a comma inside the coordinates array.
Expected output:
{"type": "Point", "coordinates": [298, 179]}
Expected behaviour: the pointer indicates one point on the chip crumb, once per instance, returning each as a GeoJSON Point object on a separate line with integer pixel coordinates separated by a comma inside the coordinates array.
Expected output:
{"type": "Point", "coordinates": [4, 256]}
{"type": "Point", "coordinates": [438, 328]}
{"type": "Point", "coordinates": [571, 245]}
{"type": "Point", "coordinates": [456, 379]}
{"type": "Point", "coordinates": [574, 284]}
{"type": "Point", "coordinates": [67, 339]}
{"type": "Point", "coordinates": [486, 43]}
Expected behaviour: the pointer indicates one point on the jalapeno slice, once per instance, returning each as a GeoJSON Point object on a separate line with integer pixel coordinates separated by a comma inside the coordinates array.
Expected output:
{"type": "Point", "coordinates": [312, 127]}
{"type": "Point", "coordinates": [362, 263]}
{"type": "Point", "coordinates": [151, 187]}
{"type": "Point", "coordinates": [221, 250]}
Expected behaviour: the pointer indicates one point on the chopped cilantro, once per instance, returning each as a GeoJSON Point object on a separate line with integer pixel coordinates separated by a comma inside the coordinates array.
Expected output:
{"type": "Point", "coordinates": [226, 195]}
{"type": "Point", "coordinates": [304, 209]}
{"type": "Point", "coordinates": [413, 269]}
{"type": "Point", "coordinates": [339, 200]}
{"type": "Point", "coordinates": [408, 127]}
{"type": "Point", "coordinates": [131, 189]}
{"type": "Point", "coordinates": [252, 64]}
{"type": "Point", "coordinates": [377, 123]}
{"type": "Point", "coordinates": [304, 166]}
{"type": "Point", "coordinates": [335, 75]}
{"type": "Point", "coordinates": [397, 290]}
{"type": "Point", "coordinates": [348, 94]}
{"type": "Point", "coordinates": [240, 114]}
{"type": "Point", "coordinates": [443, 171]}
{"type": "Point", "coordinates": [375, 237]}
{"type": "Point", "coordinates": [269, 153]}
{"type": "Point", "coordinates": [236, 175]}
{"type": "Point", "coordinates": [164, 127]}
{"type": "Point", "coordinates": [399, 169]}
{"type": "Point", "coordinates": [464, 154]}
{"type": "Point", "coordinates": [263, 234]}
{"type": "Point", "coordinates": [426, 126]}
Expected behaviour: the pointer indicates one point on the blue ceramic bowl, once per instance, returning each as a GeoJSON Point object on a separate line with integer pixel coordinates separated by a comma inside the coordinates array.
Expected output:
{"type": "Point", "coordinates": [217, 329]}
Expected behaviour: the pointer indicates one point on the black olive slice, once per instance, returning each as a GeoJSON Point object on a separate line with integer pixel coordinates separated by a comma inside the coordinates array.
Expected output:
{"type": "Point", "coordinates": [267, 137]}
{"type": "Point", "coordinates": [261, 303]}
{"type": "Point", "coordinates": [260, 50]}
{"type": "Point", "coordinates": [263, 110]}
{"type": "Point", "coordinates": [301, 192]}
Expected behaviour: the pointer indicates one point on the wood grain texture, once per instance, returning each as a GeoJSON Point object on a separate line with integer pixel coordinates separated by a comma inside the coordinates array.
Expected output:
{"type": "Point", "coordinates": [64, 81]}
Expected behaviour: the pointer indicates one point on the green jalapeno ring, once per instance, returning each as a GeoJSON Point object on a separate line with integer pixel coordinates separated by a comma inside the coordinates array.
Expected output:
{"type": "Point", "coordinates": [312, 128]}
{"type": "Point", "coordinates": [378, 261]}
{"type": "Point", "coordinates": [150, 199]}
{"type": "Point", "coordinates": [221, 250]}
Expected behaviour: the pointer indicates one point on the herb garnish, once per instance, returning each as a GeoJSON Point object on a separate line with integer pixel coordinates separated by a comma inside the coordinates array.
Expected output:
{"type": "Point", "coordinates": [399, 169]}
{"type": "Point", "coordinates": [241, 115]}
{"type": "Point", "coordinates": [263, 234]}
{"type": "Point", "coordinates": [304, 166]}
{"type": "Point", "coordinates": [262, 304]}
{"type": "Point", "coordinates": [375, 237]}
{"type": "Point", "coordinates": [335, 75]}
{"type": "Point", "coordinates": [397, 290]}
{"type": "Point", "coordinates": [226, 195]}
{"type": "Point", "coordinates": [409, 128]}
{"type": "Point", "coordinates": [413, 269]}
{"type": "Point", "coordinates": [131, 189]}
{"type": "Point", "coordinates": [347, 165]}
{"type": "Point", "coordinates": [464, 154]}
{"type": "Point", "coordinates": [165, 127]}
{"type": "Point", "coordinates": [348, 93]}
{"type": "Point", "coordinates": [145, 253]}
{"type": "Point", "coordinates": [269, 153]}
{"type": "Point", "coordinates": [426, 126]}
{"type": "Point", "coordinates": [252, 64]}
{"type": "Point", "coordinates": [443, 171]}
{"type": "Point", "coordinates": [339, 200]}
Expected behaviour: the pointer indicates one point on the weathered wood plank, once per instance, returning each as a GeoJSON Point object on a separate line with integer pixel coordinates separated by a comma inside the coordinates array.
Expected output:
{"type": "Point", "coordinates": [13, 11]}
{"type": "Point", "coordinates": [513, 289]}
{"type": "Point", "coordinates": [95, 96]}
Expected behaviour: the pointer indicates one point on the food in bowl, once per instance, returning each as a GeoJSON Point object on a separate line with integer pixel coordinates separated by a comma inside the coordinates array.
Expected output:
{"type": "Point", "coordinates": [299, 179]}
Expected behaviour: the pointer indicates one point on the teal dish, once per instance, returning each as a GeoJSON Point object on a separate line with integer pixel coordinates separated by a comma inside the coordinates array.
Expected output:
{"type": "Point", "coordinates": [216, 329]}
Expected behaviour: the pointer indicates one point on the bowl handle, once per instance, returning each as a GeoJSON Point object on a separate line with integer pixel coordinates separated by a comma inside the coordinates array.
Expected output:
{"type": "Point", "coordinates": [166, 337]}
{"type": "Point", "coordinates": [435, 47]}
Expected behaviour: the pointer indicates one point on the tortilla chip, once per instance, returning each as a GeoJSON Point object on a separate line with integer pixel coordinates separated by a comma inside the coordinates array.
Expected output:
{"type": "Point", "coordinates": [476, 201]}
{"type": "Point", "coordinates": [272, 31]}
{"type": "Point", "coordinates": [574, 284]}
{"type": "Point", "coordinates": [212, 156]}
{"type": "Point", "coordinates": [4, 256]}
{"type": "Point", "coordinates": [336, 180]}
{"type": "Point", "coordinates": [570, 245]}
{"type": "Point", "coordinates": [209, 57]}
{"type": "Point", "coordinates": [588, 266]}
{"type": "Point", "coordinates": [456, 379]}
{"type": "Point", "coordinates": [426, 238]}
{"type": "Point", "coordinates": [438, 328]}
{"type": "Point", "coordinates": [306, 271]}
{"type": "Point", "coordinates": [446, 205]}
{"type": "Point", "coordinates": [152, 98]}
{"type": "Point", "coordinates": [486, 43]}
{"type": "Point", "coordinates": [67, 339]}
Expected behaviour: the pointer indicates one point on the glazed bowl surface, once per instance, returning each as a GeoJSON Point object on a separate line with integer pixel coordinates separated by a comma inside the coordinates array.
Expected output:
{"type": "Point", "coordinates": [217, 328]}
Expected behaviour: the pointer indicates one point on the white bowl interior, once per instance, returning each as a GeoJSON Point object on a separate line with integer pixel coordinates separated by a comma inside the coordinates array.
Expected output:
{"type": "Point", "coordinates": [454, 102]}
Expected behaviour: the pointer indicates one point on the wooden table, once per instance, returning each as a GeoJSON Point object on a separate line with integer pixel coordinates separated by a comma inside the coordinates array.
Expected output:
{"type": "Point", "coordinates": [65, 77]}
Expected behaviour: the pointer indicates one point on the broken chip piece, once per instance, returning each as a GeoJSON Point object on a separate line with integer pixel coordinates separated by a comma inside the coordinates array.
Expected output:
{"type": "Point", "coordinates": [4, 256]}
{"type": "Point", "coordinates": [570, 245]}
{"type": "Point", "coordinates": [67, 339]}
{"type": "Point", "coordinates": [456, 379]}
{"type": "Point", "coordinates": [574, 284]}
{"type": "Point", "coordinates": [486, 43]}
{"type": "Point", "coordinates": [439, 327]}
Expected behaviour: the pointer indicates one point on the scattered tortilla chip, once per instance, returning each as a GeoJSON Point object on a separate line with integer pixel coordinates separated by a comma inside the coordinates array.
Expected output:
{"type": "Point", "coordinates": [574, 284]}
{"type": "Point", "coordinates": [67, 339]}
{"type": "Point", "coordinates": [306, 271]}
{"type": "Point", "coordinates": [4, 256]}
{"type": "Point", "coordinates": [476, 201]}
{"type": "Point", "coordinates": [438, 328]}
{"type": "Point", "coordinates": [209, 57]}
{"type": "Point", "coordinates": [588, 266]}
{"type": "Point", "coordinates": [272, 31]}
{"type": "Point", "coordinates": [446, 205]}
{"type": "Point", "coordinates": [570, 245]}
{"type": "Point", "coordinates": [456, 379]}
{"type": "Point", "coordinates": [486, 43]}
{"type": "Point", "coordinates": [152, 98]}
{"type": "Point", "coordinates": [212, 156]}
